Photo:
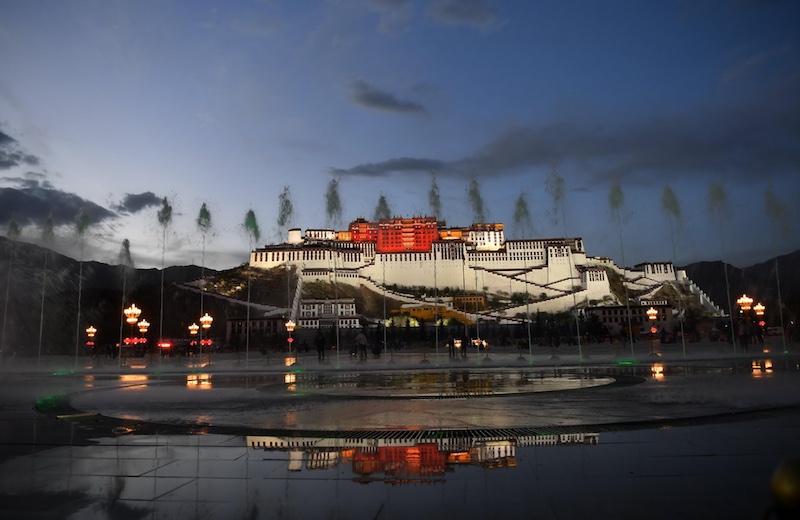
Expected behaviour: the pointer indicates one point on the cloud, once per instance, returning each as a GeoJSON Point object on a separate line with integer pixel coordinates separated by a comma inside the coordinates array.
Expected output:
{"type": "Point", "coordinates": [135, 202]}
{"type": "Point", "coordinates": [400, 165]}
{"type": "Point", "coordinates": [752, 136]}
{"type": "Point", "coordinates": [11, 155]}
{"type": "Point", "coordinates": [472, 13]}
{"type": "Point", "coordinates": [32, 201]}
{"type": "Point", "coordinates": [368, 96]}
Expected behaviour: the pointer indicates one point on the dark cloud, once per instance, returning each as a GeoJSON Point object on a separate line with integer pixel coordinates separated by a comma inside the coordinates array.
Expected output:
{"type": "Point", "coordinates": [11, 155]}
{"type": "Point", "coordinates": [135, 202]}
{"type": "Point", "coordinates": [368, 96]}
{"type": "Point", "coordinates": [472, 13]}
{"type": "Point", "coordinates": [744, 138]}
{"type": "Point", "coordinates": [32, 202]}
{"type": "Point", "coordinates": [400, 165]}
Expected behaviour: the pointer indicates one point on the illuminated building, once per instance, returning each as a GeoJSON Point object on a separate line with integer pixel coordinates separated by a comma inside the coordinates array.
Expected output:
{"type": "Point", "coordinates": [477, 261]}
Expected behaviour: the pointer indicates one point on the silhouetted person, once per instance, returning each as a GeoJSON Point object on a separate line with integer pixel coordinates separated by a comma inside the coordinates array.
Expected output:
{"type": "Point", "coordinates": [320, 342]}
{"type": "Point", "coordinates": [361, 344]}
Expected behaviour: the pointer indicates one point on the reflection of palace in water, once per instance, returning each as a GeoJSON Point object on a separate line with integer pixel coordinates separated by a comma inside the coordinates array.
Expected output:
{"type": "Point", "coordinates": [405, 455]}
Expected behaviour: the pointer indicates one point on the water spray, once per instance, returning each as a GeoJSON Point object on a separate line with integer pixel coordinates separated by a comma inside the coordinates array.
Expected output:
{"type": "Point", "coordinates": [382, 210]}
{"type": "Point", "coordinates": [254, 235]}
{"type": "Point", "coordinates": [333, 203]}
{"type": "Point", "coordinates": [12, 233]}
{"type": "Point", "coordinates": [204, 225]}
{"type": "Point", "coordinates": [780, 220]}
{"type": "Point", "coordinates": [434, 200]}
{"type": "Point", "coordinates": [126, 263]}
{"type": "Point", "coordinates": [555, 186]}
{"type": "Point", "coordinates": [81, 225]}
{"type": "Point", "coordinates": [616, 200]}
{"type": "Point", "coordinates": [48, 237]}
{"type": "Point", "coordinates": [718, 208]}
{"type": "Point", "coordinates": [476, 201]}
{"type": "Point", "coordinates": [670, 205]}
{"type": "Point", "coordinates": [164, 220]}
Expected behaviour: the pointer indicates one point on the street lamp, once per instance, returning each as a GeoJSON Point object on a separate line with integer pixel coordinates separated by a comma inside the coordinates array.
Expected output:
{"type": "Point", "coordinates": [652, 314]}
{"type": "Point", "coordinates": [193, 328]}
{"type": "Point", "coordinates": [143, 326]}
{"type": "Point", "coordinates": [759, 309]}
{"type": "Point", "coordinates": [131, 316]}
{"type": "Point", "coordinates": [205, 324]}
{"type": "Point", "coordinates": [290, 325]}
{"type": "Point", "coordinates": [90, 332]}
{"type": "Point", "coordinates": [744, 302]}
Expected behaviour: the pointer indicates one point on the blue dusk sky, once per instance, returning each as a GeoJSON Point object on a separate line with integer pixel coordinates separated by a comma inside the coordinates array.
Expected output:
{"type": "Point", "coordinates": [554, 117]}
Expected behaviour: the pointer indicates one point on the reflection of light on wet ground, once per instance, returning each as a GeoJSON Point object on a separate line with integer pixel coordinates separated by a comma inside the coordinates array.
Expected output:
{"type": "Point", "coordinates": [658, 371]}
{"type": "Point", "coordinates": [759, 367]}
{"type": "Point", "coordinates": [198, 381]}
{"type": "Point", "coordinates": [461, 383]}
{"type": "Point", "coordinates": [133, 378]}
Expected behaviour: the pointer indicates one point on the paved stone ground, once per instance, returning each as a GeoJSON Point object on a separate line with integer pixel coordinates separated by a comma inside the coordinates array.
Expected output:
{"type": "Point", "coordinates": [698, 438]}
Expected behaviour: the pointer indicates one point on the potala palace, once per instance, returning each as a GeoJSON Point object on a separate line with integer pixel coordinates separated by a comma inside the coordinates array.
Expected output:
{"type": "Point", "coordinates": [556, 273]}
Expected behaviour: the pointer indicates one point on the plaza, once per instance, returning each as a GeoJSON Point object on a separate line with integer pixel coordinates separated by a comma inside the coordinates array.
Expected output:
{"type": "Point", "coordinates": [413, 434]}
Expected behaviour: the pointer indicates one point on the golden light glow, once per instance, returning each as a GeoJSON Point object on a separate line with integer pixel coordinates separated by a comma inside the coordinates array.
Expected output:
{"type": "Point", "coordinates": [132, 314]}
{"type": "Point", "coordinates": [132, 378]}
{"type": "Point", "coordinates": [652, 314]}
{"type": "Point", "coordinates": [289, 378]}
{"type": "Point", "coordinates": [143, 325]}
{"type": "Point", "coordinates": [290, 361]}
{"type": "Point", "coordinates": [744, 302]}
{"type": "Point", "coordinates": [290, 325]}
{"type": "Point", "coordinates": [198, 381]}
{"type": "Point", "coordinates": [91, 331]}
{"type": "Point", "coordinates": [193, 328]}
{"type": "Point", "coordinates": [657, 370]}
{"type": "Point", "coordinates": [205, 321]}
{"type": "Point", "coordinates": [759, 309]}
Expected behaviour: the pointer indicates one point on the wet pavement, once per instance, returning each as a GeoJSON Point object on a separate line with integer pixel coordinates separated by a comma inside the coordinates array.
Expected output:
{"type": "Point", "coordinates": [410, 434]}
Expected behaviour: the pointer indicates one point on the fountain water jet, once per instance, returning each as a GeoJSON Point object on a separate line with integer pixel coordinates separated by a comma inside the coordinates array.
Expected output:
{"type": "Point", "coordinates": [13, 234]}
{"type": "Point", "coordinates": [333, 203]}
{"type": "Point", "coordinates": [254, 235]}
{"type": "Point", "coordinates": [48, 237]}
{"type": "Point", "coordinates": [164, 219]}
{"type": "Point", "coordinates": [718, 208]}
{"type": "Point", "coordinates": [616, 199]}
{"type": "Point", "coordinates": [476, 201]}
{"type": "Point", "coordinates": [779, 218]}
{"type": "Point", "coordinates": [204, 225]}
{"type": "Point", "coordinates": [670, 205]}
{"type": "Point", "coordinates": [126, 263]}
{"type": "Point", "coordinates": [81, 225]}
{"type": "Point", "coordinates": [434, 200]}
{"type": "Point", "coordinates": [555, 186]}
{"type": "Point", "coordinates": [382, 210]}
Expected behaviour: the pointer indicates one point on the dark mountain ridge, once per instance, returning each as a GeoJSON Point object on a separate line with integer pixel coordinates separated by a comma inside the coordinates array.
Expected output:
{"type": "Point", "coordinates": [43, 284]}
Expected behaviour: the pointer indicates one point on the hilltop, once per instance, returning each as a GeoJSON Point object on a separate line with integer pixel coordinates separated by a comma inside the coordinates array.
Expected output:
{"type": "Point", "coordinates": [226, 294]}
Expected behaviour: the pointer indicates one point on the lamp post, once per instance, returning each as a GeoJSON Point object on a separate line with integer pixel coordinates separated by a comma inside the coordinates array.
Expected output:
{"type": "Point", "coordinates": [205, 324]}
{"type": "Point", "coordinates": [290, 325]}
{"type": "Point", "coordinates": [193, 328]}
{"type": "Point", "coordinates": [759, 309]}
{"type": "Point", "coordinates": [90, 332]}
{"type": "Point", "coordinates": [744, 302]}
{"type": "Point", "coordinates": [131, 316]}
{"type": "Point", "coordinates": [652, 314]}
{"type": "Point", "coordinates": [143, 326]}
